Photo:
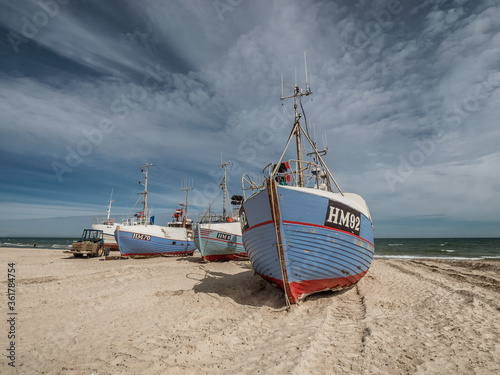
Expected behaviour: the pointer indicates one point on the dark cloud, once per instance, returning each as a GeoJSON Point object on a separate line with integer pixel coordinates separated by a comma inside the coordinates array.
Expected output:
{"type": "Point", "coordinates": [407, 95]}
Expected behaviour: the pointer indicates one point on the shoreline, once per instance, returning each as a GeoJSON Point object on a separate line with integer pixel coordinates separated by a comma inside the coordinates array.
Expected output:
{"type": "Point", "coordinates": [177, 315]}
{"type": "Point", "coordinates": [376, 257]}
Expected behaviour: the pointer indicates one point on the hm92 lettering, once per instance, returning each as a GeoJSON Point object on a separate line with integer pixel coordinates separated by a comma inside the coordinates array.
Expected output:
{"type": "Point", "coordinates": [343, 217]}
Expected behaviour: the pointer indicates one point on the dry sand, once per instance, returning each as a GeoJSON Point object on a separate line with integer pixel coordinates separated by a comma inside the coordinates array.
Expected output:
{"type": "Point", "coordinates": [179, 316]}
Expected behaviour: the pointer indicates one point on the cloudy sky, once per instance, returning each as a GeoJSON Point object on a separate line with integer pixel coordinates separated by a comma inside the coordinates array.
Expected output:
{"type": "Point", "coordinates": [406, 93]}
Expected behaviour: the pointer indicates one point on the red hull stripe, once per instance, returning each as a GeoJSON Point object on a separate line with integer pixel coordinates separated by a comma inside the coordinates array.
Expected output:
{"type": "Point", "coordinates": [152, 236]}
{"type": "Point", "coordinates": [222, 257]}
{"type": "Point", "coordinates": [154, 254]}
{"type": "Point", "coordinates": [258, 225]}
{"type": "Point", "coordinates": [325, 227]}
{"type": "Point", "coordinates": [217, 239]}
{"type": "Point", "coordinates": [299, 288]}
{"type": "Point", "coordinates": [216, 231]}
{"type": "Point", "coordinates": [309, 225]}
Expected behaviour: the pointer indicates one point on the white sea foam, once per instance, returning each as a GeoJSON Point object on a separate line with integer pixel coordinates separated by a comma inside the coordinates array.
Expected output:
{"type": "Point", "coordinates": [395, 257]}
{"type": "Point", "coordinates": [9, 244]}
{"type": "Point", "coordinates": [410, 257]}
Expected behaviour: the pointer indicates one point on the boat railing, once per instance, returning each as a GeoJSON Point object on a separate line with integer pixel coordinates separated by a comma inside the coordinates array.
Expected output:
{"type": "Point", "coordinates": [129, 222]}
{"type": "Point", "coordinates": [212, 217]}
{"type": "Point", "coordinates": [288, 174]}
{"type": "Point", "coordinates": [135, 221]}
{"type": "Point", "coordinates": [314, 176]}
{"type": "Point", "coordinates": [104, 220]}
{"type": "Point", "coordinates": [236, 212]}
{"type": "Point", "coordinates": [248, 185]}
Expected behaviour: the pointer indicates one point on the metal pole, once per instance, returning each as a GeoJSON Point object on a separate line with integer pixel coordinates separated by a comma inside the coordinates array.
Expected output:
{"type": "Point", "coordinates": [145, 198]}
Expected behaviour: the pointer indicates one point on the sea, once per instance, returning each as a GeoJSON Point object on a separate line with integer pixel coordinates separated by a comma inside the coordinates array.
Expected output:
{"type": "Point", "coordinates": [385, 248]}
{"type": "Point", "coordinates": [438, 248]}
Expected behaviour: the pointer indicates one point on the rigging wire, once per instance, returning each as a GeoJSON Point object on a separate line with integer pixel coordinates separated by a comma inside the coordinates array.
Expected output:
{"type": "Point", "coordinates": [305, 118]}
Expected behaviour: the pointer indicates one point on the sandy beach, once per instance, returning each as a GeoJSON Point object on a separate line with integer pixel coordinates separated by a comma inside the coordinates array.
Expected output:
{"type": "Point", "coordinates": [179, 316]}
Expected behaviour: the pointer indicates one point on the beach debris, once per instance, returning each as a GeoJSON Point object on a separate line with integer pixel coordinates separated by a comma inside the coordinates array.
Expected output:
{"type": "Point", "coordinates": [115, 257]}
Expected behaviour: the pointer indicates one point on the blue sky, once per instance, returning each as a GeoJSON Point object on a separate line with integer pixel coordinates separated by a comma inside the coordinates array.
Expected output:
{"type": "Point", "coordinates": [406, 92]}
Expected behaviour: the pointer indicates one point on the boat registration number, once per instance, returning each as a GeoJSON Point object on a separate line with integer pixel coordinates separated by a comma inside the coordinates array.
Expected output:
{"type": "Point", "coordinates": [340, 216]}
{"type": "Point", "coordinates": [140, 236]}
{"type": "Point", "coordinates": [243, 219]}
{"type": "Point", "coordinates": [223, 236]}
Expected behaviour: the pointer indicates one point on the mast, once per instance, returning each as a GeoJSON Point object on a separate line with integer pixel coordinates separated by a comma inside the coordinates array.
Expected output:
{"type": "Point", "coordinates": [188, 186]}
{"type": "Point", "coordinates": [296, 128]}
{"type": "Point", "coordinates": [144, 169]}
{"type": "Point", "coordinates": [297, 138]}
{"type": "Point", "coordinates": [223, 185]}
{"type": "Point", "coordinates": [108, 211]}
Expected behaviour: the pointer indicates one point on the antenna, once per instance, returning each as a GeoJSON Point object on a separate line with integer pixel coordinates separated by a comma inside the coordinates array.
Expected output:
{"type": "Point", "coordinates": [305, 64]}
{"type": "Point", "coordinates": [282, 85]}
{"type": "Point", "coordinates": [295, 76]}
{"type": "Point", "coordinates": [186, 184]}
{"type": "Point", "coordinates": [108, 211]}
{"type": "Point", "coordinates": [313, 126]}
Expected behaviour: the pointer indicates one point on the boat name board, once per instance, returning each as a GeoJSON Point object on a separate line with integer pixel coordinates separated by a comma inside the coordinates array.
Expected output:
{"type": "Point", "coordinates": [224, 236]}
{"type": "Point", "coordinates": [343, 217]}
{"type": "Point", "coordinates": [140, 236]}
{"type": "Point", "coordinates": [243, 220]}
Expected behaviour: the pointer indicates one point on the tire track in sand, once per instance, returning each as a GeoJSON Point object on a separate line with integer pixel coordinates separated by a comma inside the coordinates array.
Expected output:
{"type": "Point", "coordinates": [339, 334]}
{"type": "Point", "coordinates": [480, 286]}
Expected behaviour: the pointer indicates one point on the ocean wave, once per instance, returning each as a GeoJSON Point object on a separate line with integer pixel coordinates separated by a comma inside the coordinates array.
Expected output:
{"type": "Point", "coordinates": [9, 244]}
{"type": "Point", "coordinates": [394, 257]}
{"type": "Point", "coordinates": [449, 251]}
{"type": "Point", "coordinates": [410, 257]}
{"type": "Point", "coordinates": [56, 246]}
{"type": "Point", "coordinates": [395, 244]}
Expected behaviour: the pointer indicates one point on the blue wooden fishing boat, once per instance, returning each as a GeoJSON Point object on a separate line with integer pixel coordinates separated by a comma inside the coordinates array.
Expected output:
{"type": "Point", "coordinates": [146, 239]}
{"type": "Point", "coordinates": [299, 233]}
{"type": "Point", "coordinates": [153, 240]}
{"type": "Point", "coordinates": [219, 241]}
{"type": "Point", "coordinates": [218, 235]}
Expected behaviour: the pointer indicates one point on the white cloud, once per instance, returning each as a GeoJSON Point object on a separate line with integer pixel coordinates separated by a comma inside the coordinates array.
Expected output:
{"type": "Point", "coordinates": [220, 86]}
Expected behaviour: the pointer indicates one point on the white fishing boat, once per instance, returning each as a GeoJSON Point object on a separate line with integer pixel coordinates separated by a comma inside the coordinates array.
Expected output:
{"type": "Point", "coordinates": [301, 234]}
{"type": "Point", "coordinates": [218, 234]}
{"type": "Point", "coordinates": [108, 226]}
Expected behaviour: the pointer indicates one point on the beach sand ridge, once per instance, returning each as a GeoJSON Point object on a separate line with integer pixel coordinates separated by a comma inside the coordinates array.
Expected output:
{"type": "Point", "coordinates": [178, 315]}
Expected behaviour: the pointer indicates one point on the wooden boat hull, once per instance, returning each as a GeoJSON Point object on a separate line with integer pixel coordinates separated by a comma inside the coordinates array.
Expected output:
{"type": "Point", "coordinates": [219, 241]}
{"type": "Point", "coordinates": [317, 254]}
{"type": "Point", "coordinates": [153, 240]}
